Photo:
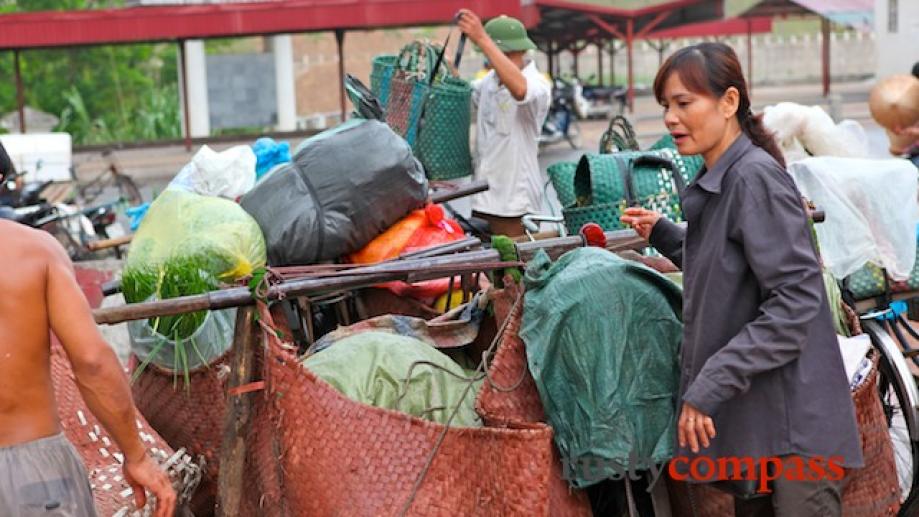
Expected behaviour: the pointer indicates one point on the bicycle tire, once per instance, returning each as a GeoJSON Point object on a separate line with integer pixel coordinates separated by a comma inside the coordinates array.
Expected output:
{"type": "Point", "coordinates": [128, 190]}
{"type": "Point", "coordinates": [574, 135]}
{"type": "Point", "coordinates": [895, 374]}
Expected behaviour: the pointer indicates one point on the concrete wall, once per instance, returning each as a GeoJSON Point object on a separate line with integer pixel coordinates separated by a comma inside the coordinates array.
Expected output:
{"type": "Point", "coordinates": [897, 36]}
{"type": "Point", "coordinates": [776, 59]}
{"type": "Point", "coordinates": [241, 90]}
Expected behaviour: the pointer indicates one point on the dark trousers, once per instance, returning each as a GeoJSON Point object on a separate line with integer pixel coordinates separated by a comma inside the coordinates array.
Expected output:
{"type": "Point", "coordinates": [821, 498]}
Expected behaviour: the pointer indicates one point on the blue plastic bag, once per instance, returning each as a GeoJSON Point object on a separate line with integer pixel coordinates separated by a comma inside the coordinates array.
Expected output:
{"type": "Point", "coordinates": [269, 153]}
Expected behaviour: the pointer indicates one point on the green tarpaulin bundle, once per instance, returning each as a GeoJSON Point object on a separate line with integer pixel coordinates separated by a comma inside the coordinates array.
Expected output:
{"type": "Point", "coordinates": [398, 372]}
{"type": "Point", "coordinates": [602, 339]}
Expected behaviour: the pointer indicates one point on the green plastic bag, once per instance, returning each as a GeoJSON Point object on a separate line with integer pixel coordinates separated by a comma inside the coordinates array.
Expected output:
{"type": "Point", "coordinates": [602, 338]}
{"type": "Point", "coordinates": [401, 373]}
{"type": "Point", "coordinates": [188, 244]}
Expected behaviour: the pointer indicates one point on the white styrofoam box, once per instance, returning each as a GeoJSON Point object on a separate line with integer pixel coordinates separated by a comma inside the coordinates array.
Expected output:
{"type": "Point", "coordinates": [41, 156]}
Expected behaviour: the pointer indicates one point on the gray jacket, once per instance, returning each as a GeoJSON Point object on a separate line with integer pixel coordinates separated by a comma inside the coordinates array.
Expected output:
{"type": "Point", "coordinates": [760, 354]}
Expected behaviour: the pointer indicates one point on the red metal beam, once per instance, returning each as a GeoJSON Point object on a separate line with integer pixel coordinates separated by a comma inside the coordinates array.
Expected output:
{"type": "Point", "coordinates": [171, 23]}
{"type": "Point", "coordinates": [652, 24]}
{"type": "Point", "coordinates": [720, 27]}
{"type": "Point", "coordinates": [616, 11]}
{"type": "Point", "coordinates": [611, 29]}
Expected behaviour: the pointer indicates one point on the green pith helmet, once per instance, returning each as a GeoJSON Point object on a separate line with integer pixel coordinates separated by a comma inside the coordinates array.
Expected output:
{"type": "Point", "coordinates": [509, 34]}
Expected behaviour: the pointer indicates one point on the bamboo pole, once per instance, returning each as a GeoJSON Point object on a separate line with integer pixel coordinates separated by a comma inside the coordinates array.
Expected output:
{"type": "Point", "coordinates": [449, 194]}
{"type": "Point", "coordinates": [237, 419]}
{"type": "Point", "coordinates": [410, 270]}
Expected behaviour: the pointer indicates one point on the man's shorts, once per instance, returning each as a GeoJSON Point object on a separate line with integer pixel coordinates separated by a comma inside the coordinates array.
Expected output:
{"type": "Point", "coordinates": [44, 477]}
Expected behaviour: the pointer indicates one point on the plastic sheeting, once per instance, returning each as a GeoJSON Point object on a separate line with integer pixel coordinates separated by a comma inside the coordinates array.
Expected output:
{"type": "Point", "coordinates": [343, 188]}
{"type": "Point", "coordinates": [602, 338]}
{"type": "Point", "coordinates": [871, 212]}
{"type": "Point", "coordinates": [401, 373]}
{"type": "Point", "coordinates": [229, 174]}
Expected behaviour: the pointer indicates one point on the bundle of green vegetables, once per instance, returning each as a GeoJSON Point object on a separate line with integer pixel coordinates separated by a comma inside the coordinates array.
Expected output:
{"type": "Point", "coordinates": [187, 244]}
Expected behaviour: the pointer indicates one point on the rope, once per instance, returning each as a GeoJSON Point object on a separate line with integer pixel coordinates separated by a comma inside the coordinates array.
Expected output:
{"type": "Point", "coordinates": [443, 434]}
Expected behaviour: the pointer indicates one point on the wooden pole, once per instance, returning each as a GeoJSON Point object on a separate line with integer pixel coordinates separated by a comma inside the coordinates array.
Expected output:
{"type": "Point", "coordinates": [20, 95]}
{"type": "Point", "coordinates": [411, 270]}
{"type": "Point", "coordinates": [600, 63]}
{"type": "Point", "coordinates": [612, 62]}
{"type": "Point", "coordinates": [238, 417]}
{"type": "Point", "coordinates": [574, 64]}
{"type": "Point", "coordinates": [550, 55]}
{"type": "Point", "coordinates": [340, 40]}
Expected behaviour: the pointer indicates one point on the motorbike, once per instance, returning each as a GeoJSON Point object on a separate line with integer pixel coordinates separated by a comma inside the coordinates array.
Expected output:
{"type": "Point", "coordinates": [561, 122]}
{"type": "Point", "coordinates": [598, 101]}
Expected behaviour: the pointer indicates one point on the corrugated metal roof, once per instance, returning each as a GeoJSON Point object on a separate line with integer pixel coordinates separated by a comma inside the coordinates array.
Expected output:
{"type": "Point", "coordinates": [858, 14]}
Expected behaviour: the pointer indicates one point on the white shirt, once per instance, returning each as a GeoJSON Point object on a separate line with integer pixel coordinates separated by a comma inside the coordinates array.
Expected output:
{"type": "Point", "coordinates": [507, 142]}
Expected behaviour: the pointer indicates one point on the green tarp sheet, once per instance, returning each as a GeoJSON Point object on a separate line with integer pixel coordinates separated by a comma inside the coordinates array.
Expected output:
{"type": "Point", "coordinates": [398, 372]}
{"type": "Point", "coordinates": [602, 338]}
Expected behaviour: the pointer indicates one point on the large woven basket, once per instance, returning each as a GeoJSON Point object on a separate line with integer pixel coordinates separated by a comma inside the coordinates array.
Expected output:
{"type": "Point", "coordinates": [96, 447]}
{"type": "Point", "coordinates": [316, 452]}
{"type": "Point", "coordinates": [872, 491]}
{"type": "Point", "coordinates": [188, 416]}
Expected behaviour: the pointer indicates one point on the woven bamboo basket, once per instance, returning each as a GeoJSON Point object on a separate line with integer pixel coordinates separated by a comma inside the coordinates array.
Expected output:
{"type": "Point", "coordinates": [188, 416]}
{"type": "Point", "coordinates": [316, 452]}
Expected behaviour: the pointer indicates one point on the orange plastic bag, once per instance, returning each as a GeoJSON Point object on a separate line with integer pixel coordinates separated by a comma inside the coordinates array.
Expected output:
{"type": "Point", "coordinates": [419, 230]}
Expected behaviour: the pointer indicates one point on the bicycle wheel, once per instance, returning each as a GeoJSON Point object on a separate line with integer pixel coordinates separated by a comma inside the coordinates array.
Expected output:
{"type": "Point", "coordinates": [574, 134]}
{"type": "Point", "coordinates": [128, 190]}
{"type": "Point", "coordinates": [899, 396]}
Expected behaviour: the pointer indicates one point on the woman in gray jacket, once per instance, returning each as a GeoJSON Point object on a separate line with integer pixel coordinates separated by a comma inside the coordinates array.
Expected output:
{"type": "Point", "coordinates": [762, 375]}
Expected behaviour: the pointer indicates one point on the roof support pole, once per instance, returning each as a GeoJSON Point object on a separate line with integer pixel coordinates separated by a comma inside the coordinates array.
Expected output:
{"type": "Point", "coordinates": [183, 92]}
{"type": "Point", "coordinates": [825, 25]}
{"type": "Point", "coordinates": [285, 84]}
{"type": "Point", "coordinates": [550, 57]}
{"type": "Point", "coordinates": [629, 36]}
{"type": "Point", "coordinates": [574, 63]}
{"type": "Point", "coordinates": [340, 40]}
{"type": "Point", "coordinates": [600, 63]}
{"type": "Point", "coordinates": [749, 56]}
{"type": "Point", "coordinates": [612, 62]}
{"type": "Point", "coordinates": [20, 96]}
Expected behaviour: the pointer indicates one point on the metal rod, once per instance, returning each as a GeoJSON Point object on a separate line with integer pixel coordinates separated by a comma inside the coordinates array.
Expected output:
{"type": "Point", "coordinates": [443, 249]}
{"type": "Point", "coordinates": [629, 34]}
{"type": "Point", "coordinates": [339, 40]}
{"type": "Point", "coordinates": [825, 26]}
{"type": "Point", "coordinates": [749, 56]}
{"type": "Point", "coordinates": [444, 195]}
{"type": "Point", "coordinates": [411, 270]}
{"type": "Point", "coordinates": [20, 95]}
{"type": "Point", "coordinates": [600, 64]}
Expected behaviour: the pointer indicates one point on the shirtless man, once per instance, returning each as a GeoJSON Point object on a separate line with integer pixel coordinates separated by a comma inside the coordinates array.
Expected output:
{"type": "Point", "coordinates": [42, 472]}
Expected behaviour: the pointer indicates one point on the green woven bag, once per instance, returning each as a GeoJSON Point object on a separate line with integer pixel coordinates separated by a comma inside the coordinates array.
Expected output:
{"type": "Point", "coordinates": [443, 139]}
{"type": "Point", "coordinates": [561, 175]}
{"type": "Point", "coordinates": [605, 184]}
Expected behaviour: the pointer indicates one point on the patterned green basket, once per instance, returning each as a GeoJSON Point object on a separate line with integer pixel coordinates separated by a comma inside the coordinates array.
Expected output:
{"type": "Point", "coordinates": [871, 281]}
{"type": "Point", "coordinates": [561, 175]}
{"type": "Point", "coordinates": [605, 184]}
{"type": "Point", "coordinates": [443, 140]}
{"type": "Point", "coordinates": [381, 75]}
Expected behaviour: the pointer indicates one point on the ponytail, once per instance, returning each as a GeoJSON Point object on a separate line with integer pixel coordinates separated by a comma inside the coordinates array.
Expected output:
{"type": "Point", "coordinates": [752, 126]}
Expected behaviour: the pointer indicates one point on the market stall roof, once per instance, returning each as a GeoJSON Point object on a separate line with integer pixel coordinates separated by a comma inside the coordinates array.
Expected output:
{"type": "Point", "coordinates": [857, 14]}
{"type": "Point", "coordinates": [568, 21]}
{"type": "Point", "coordinates": [178, 22]}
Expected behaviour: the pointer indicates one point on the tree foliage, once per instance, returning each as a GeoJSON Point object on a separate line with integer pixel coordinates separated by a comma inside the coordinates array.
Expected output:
{"type": "Point", "coordinates": [101, 94]}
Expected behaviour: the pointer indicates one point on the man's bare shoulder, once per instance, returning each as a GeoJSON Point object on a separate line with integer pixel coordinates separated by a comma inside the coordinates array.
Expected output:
{"type": "Point", "coordinates": [22, 244]}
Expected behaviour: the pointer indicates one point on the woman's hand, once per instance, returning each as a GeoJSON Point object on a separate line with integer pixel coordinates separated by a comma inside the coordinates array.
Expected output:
{"type": "Point", "coordinates": [694, 428]}
{"type": "Point", "coordinates": [641, 220]}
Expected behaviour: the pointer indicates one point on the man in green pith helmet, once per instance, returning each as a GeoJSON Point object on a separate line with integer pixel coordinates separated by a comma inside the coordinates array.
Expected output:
{"type": "Point", "coordinates": [513, 101]}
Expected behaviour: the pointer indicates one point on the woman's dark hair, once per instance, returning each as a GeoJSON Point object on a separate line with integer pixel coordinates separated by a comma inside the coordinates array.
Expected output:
{"type": "Point", "coordinates": [6, 165]}
{"type": "Point", "coordinates": [916, 70]}
{"type": "Point", "coordinates": [710, 69]}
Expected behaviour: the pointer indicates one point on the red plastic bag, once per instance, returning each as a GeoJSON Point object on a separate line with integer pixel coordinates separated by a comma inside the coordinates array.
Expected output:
{"type": "Point", "coordinates": [419, 230]}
